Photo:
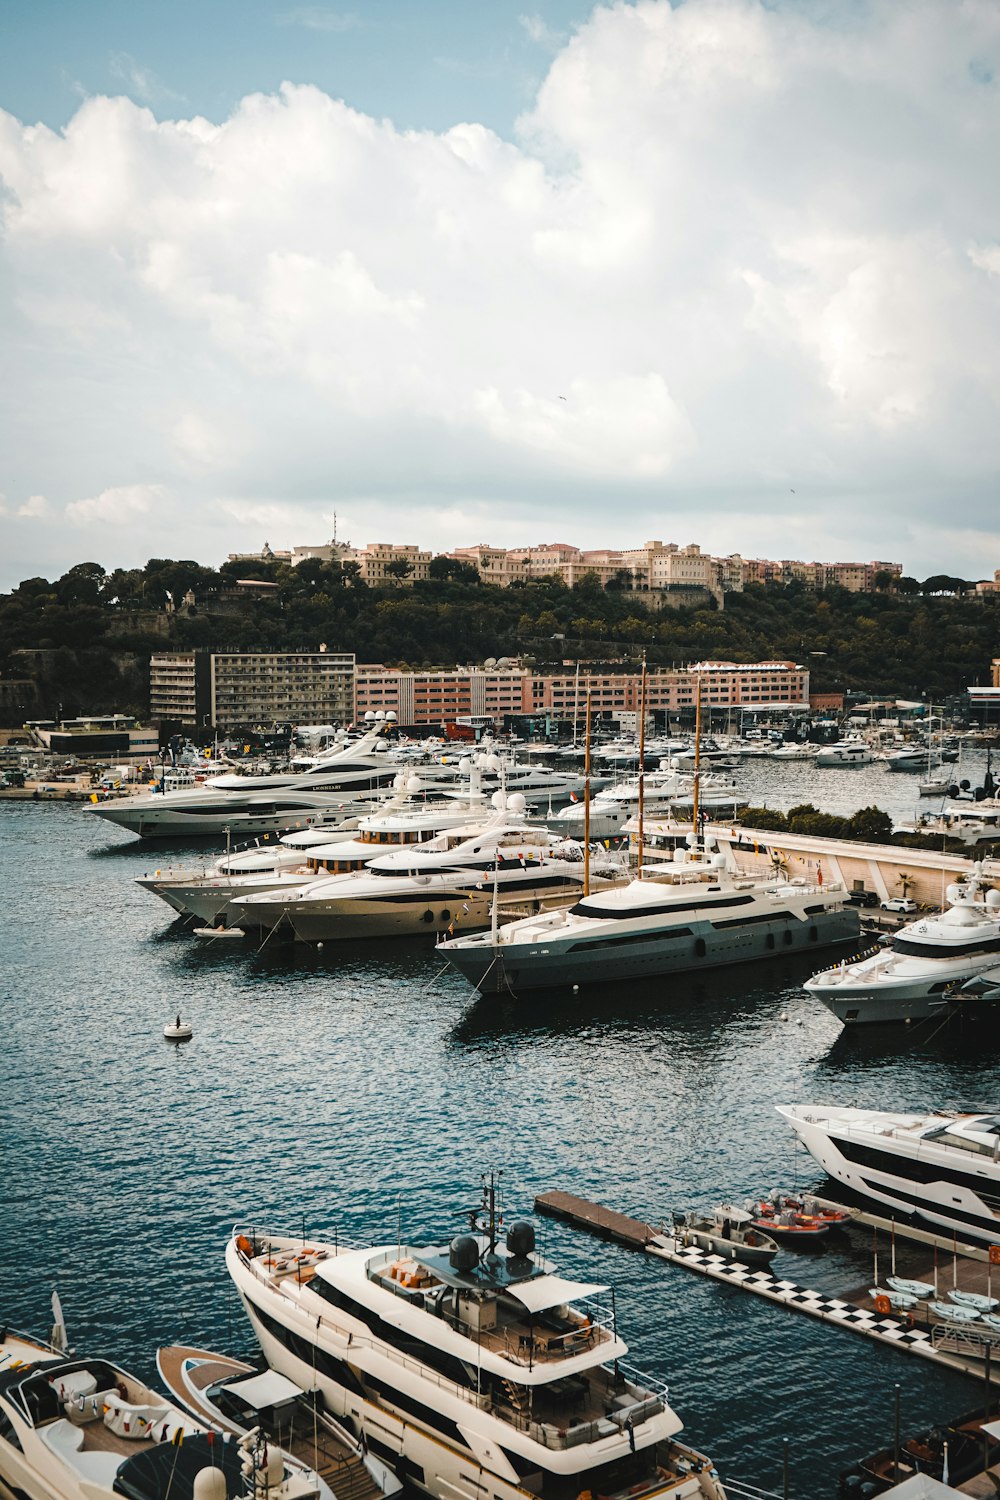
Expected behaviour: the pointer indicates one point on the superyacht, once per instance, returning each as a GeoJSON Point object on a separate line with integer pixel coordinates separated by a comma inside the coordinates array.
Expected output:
{"type": "Point", "coordinates": [940, 1169]}
{"type": "Point", "coordinates": [470, 1366]}
{"type": "Point", "coordinates": [926, 959]}
{"type": "Point", "coordinates": [691, 914]}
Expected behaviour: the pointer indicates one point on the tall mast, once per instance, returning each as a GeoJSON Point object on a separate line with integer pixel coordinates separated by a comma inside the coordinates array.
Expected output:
{"type": "Point", "coordinates": [697, 755]}
{"type": "Point", "coordinates": [642, 764]}
{"type": "Point", "coordinates": [586, 802]}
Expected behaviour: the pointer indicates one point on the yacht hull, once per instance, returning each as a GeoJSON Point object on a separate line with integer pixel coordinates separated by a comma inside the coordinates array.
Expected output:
{"type": "Point", "coordinates": [551, 964]}
{"type": "Point", "coordinates": [907, 1184]}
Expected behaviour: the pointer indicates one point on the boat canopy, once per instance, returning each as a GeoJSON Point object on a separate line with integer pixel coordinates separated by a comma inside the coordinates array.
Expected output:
{"type": "Point", "coordinates": [268, 1389]}
{"type": "Point", "coordinates": [551, 1291]}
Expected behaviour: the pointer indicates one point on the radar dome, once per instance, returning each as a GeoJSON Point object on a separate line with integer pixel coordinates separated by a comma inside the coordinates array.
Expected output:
{"type": "Point", "coordinates": [521, 1238]}
{"type": "Point", "coordinates": [465, 764]}
{"type": "Point", "coordinates": [210, 1484]}
{"type": "Point", "coordinates": [953, 893]}
{"type": "Point", "coordinates": [390, 715]}
{"type": "Point", "coordinates": [718, 861]}
{"type": "Point", "coordinates": [381, 744]}
{"type": "Point", "coordinates": [516, 802]}
{"type": "Point", "coordinates": [993, 900]}
{"type": "Point", "coordinates": [499, 800]}
{"type": "Point", "coordinates": [463, 1253]}
{"type": "Point", "coordinates": [414, 785]}
{"type": "Point", "coordinates": [370, 717]}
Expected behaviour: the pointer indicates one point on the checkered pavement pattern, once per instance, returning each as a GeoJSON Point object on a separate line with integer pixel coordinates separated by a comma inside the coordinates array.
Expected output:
{"type": "Point", "coordinates": [818, 1304]}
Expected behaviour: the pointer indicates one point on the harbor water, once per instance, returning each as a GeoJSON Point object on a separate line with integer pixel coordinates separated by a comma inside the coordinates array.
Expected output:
{"type": "Point", "coordinates": [362, 1089]}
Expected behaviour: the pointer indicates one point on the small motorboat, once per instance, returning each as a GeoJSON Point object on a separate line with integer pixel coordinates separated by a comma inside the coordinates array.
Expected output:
{"type": "Point", "coordinates": [911, 1288]}
{"type": "Point", "coordinates": [178, 1031]}
{"type": "Point", "coordinates": [726, 1231]}
{"type": "Point", "coordinates": [975, 1300]}
{"type": "Point", "coordinates": [898, 1301]}
{"type": "Point", "coordinates": [812, 1209]}
{"type": "Point", "coordinates": [785, 1222]}
{"type": "Point", "coordinates": [952, 1312]}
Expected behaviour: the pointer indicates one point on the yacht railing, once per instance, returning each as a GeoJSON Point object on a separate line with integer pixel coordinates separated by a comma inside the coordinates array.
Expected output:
{"type": "Point", "coordinates": [855, 958]}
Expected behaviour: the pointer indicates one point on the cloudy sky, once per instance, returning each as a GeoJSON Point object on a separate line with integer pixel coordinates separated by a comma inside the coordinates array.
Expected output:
{"type": "Point", "coordinates": [717, 271]}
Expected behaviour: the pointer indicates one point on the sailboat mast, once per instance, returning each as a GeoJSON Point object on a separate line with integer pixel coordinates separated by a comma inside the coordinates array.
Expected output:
{"type": "Point", "coordinates": [586, 802]}
{"type": "Point", "coordinates": [642, 765]}
{"type": "Point", "coordinates": [697, 756]}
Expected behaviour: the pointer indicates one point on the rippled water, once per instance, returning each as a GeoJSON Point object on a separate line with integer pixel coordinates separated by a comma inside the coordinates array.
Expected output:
{"type": "Point", "coordinates": [362, 1087]}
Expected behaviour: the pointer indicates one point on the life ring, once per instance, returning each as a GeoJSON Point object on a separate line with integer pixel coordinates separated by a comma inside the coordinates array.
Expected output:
{"type": "Point", "coordinates": [882, 1304]}
{"type": "Point", "coordinates": [995, 1255]}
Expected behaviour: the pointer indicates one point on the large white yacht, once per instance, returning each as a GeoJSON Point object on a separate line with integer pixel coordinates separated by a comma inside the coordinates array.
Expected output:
{"type": "Point", "coordinates": [692, 914]}
{"type": "Point", "coordinates": [941, 1169]}
{"type": "Point", "coordinates": [458, 879]}
{"type": "Point", "coordinates": [471, 1366]}
{"type": "Point", "coordinates": [925, 960]}
{"type": "Point", "coordinates": [850, 752]}
{"type": "Point", "coordinates": [83, 1429]}
{"type": "Point", "coordinates": [253, 804]}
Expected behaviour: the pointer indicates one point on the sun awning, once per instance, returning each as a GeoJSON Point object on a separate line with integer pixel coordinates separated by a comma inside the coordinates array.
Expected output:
{"type": "Point", "coordinates": [269, 1389]}
{"type": "Point", "coordinates": [551, 1291]}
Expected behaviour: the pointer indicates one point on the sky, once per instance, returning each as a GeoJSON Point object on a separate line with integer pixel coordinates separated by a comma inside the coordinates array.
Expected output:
{"type": "Point", "coordinates": [719, 271]}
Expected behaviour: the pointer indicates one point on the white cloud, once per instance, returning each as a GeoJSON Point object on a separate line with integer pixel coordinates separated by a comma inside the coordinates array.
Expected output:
{"type": "Point", "coordinates": [320, 18]}
{"type": "Point", "coordinates": [753, 245]}
{"type": "Point", "coordinates": [35, 508]}
{"type": "Point", "coordinates": [142, 81]}
{"type": "Point", "coordinates": [119, 506]}
{"type": "Point", "coordinates": [539, 31]}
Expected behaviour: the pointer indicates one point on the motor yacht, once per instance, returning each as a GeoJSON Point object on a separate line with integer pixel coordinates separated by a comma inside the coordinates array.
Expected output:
{"type": "Point", "coordinates": [471, 1366]}
{"type": "Point", "coordinates": [940, 1169]}
{"type": "Point", "coordinates": [463, 878]}
{"type": "Point", "coordinates": [975, 823]}
{"type": "Point", "coordinates": [257, 804]}
{"type": "Point", "coordinates": [912, 759]}
{"type": "Point", "coordinates": [925, 960]}
{"type": "Point", "coordinates": [82, 1429]}
{"type": "Point", "coordinates": [691, 914]}
{"type": "Point", "coordinates": [238, 1397]}
{"type": "Point", "coordinates": [844, 753]}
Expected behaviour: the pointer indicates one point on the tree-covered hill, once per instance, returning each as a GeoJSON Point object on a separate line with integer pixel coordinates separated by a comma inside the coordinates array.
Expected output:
{"type": "Point", "coordinates": [95, 629]}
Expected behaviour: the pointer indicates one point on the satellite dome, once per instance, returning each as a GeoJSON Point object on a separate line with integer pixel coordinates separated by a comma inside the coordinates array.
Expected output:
{"type": "Point", "coordinates": [499, 800]}
{"type": "Point", "coordinates": [521, 1238]}
{"type": "Point", "coordinates": [516, 802]}
{"type": "Point", "coordinates": [390, 715]}
{"type": "Point", "coordinates": [490, 661]}
{"type": "Point", "coordinates": [414, 785]}
{"type": "Point", "coordinates": [370, 717]}
{"type": "Point", "coordinates": [463, 1253]}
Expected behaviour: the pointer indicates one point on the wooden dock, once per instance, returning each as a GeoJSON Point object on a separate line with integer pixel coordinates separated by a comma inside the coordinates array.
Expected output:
{"type": "Point", "coordinates": [596, 1219]}
{"type": "Point", "coordinates": [960, 1351]}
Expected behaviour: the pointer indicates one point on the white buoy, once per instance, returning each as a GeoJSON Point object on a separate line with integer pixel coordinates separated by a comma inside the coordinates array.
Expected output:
{"type": "Point", "coordinates": [784, 1015]}
{"type": "Point", "coordinates": [178, 1031]}
{"type": "Point", "coordinates": [318, 947]}
{"type": "Point", "coordinates": [576, 988]}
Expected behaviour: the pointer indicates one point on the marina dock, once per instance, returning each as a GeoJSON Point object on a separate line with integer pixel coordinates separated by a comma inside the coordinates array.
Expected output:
{"type": "Point", "coordinates": [921, 1333]}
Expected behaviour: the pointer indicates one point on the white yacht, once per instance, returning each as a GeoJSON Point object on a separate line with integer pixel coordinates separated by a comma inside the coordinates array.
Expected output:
{"type": "Point", "coordinates": [925, 960]}
{"type": "Point", "coordinates": [974, 823]}
{"type": "Point", "coordinates": [690, 915]}
{"type": "Point", "coordinates": [471, 1366]}
{"type": "Point", "coordinates": [258, 804]}
{"type": "Point", "coordinates": [459, 879]}
{"type": "Point", "coordinates": [844, 753]}
{"type": "Point", "coordinates": [940, 1169]}
{"type": "Point", "coordinates": [907, 759]}
{"type": "Point", "coordinates": [84, 1429]}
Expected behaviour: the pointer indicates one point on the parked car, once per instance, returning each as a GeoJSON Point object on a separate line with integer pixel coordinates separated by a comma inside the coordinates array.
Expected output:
{"type": "Point", "coordinates": [899, 903]}
{"type": "Point", "coordinates": [862, 898]}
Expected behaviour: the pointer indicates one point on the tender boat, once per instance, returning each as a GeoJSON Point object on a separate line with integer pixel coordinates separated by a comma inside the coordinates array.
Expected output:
{"type": "Point", "coordinates": [785, 1222]}
{"type": "Point", "coordinates": [239, 1397]}
{"type": "Point", "coordinates": [975, 1300]}
{"type": "Point", "coordinates": [83, 1429]}
{"type": "Point", "coordinates": [473, 1364]}
{"type": "Point", "coordinates": [918, 1289]}
{"type": "Point", "coordinates": [940, 1169]}
{"type": "Point", "coordinates": [928, 957]}
{"type": "Point", "coordinates": [726, 1231]}
{"type": "Point", "coordinates": [692, 914]}
{"type": "Point", "coordinates": [898, 1301]}
{"type": "Point", "coordinates": [952, 1312]}
{"type": "Point", "coordinates": [837, 1218]}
